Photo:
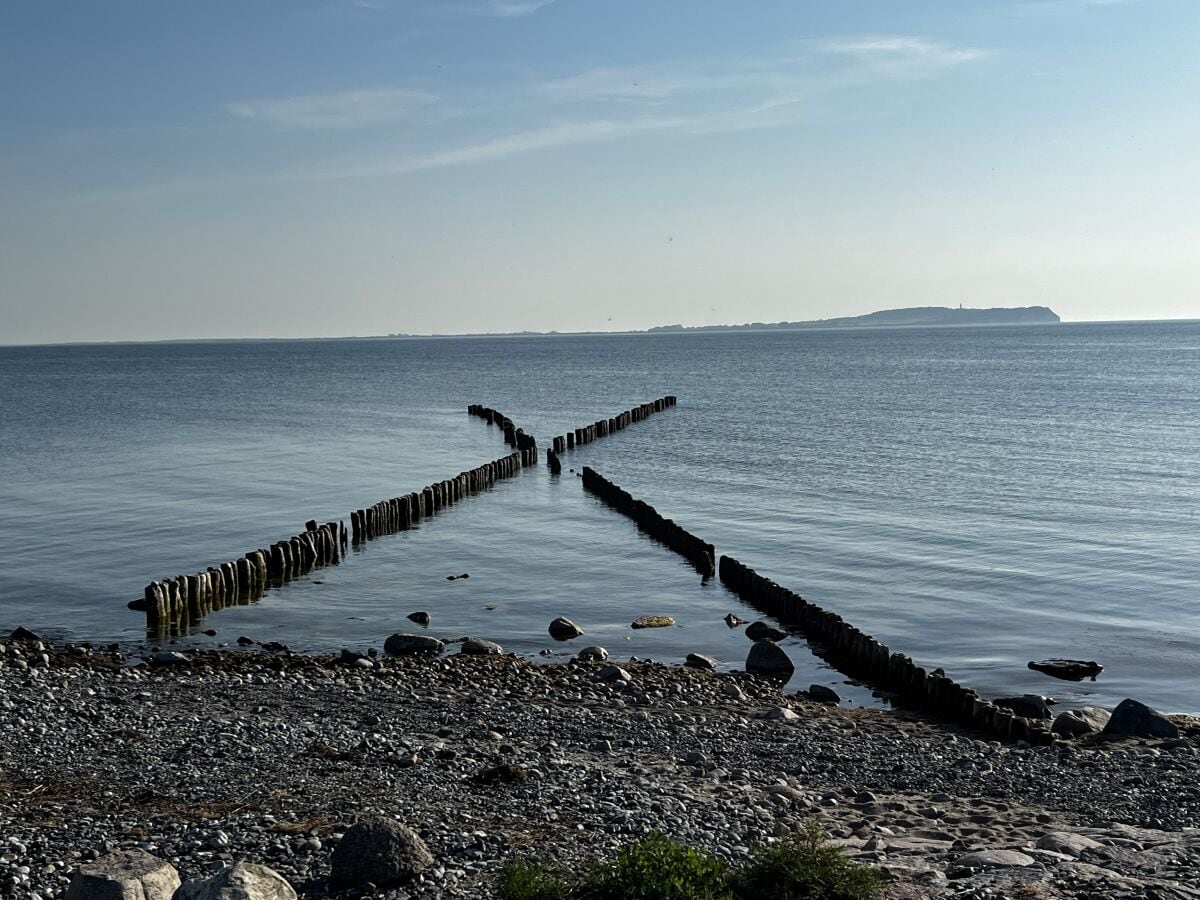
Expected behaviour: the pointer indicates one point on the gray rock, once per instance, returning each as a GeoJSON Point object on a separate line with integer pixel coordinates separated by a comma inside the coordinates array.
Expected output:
{"type": "Point", "coordinates": [1137, 719]}
{"type": "Point", "coordinates": [764, 631]}
{"type": "Point", "coordinates": [995, 859]}
{"type": "Point", "coordinates": [781, 712]}
{"type": "Point", "coordinates": [730, 689]}
{"type": "Point", "coordinates": [401, 644]}
{"type": "Point", "coordinates": [1076, 722]}
{"type": "Point", "coordinates": [768, 658]}
{"type": "Point", "coordinates": [243, 881]}
{"type": "Point", "coordinates": [21, 633]}
{"type": "Point", "coordinates": [563, 629]}
{"type": "Point", "coordinates": [652, 622]}
{"type": "Point", "coordinates": [734, 621]}
{"type": "Point", "coordinates": [420, 617]}
{"type": "Point", "coordinates": [1031, 706]}
{"type": "Point", "coordinates": [700, 661]}
{"type": "Point", "coordinates": [592, 654]}
{"type": "Point", "coordinates": [1067, 843]}
{"type": "Point", "coordinates": [380, 851]}
{"type": "Point", "coordinates": [613, 673]}
{"type": "Point", "coordinates": [480, 647]}
{"type": "Point", "coordinates": [167, 658]}
{"type": "Point", "coordinates": [124, 875]}
{"type": "Point", "coordinates": [823, 694]}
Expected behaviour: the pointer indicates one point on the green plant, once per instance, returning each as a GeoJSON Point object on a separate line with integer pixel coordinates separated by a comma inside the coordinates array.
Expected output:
{"type": "Point", "coordinates": [657, 868]}
{"type": "Point", "coordinates": [805, 866]}
{"type": "Point", "coordinates": [521, 880]}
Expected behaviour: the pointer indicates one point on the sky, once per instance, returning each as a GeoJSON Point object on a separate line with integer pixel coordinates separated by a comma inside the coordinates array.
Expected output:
{"type": "Point", "coordinates": [176, 169]}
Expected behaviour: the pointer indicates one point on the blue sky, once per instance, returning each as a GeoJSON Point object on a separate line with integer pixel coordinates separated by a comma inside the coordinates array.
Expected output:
{"type": "Point", "coordinates": [255, 168]}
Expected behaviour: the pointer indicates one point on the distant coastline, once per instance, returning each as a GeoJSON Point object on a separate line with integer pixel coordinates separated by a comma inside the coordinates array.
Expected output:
{"type": "Point", "coordinates": [909, 317]}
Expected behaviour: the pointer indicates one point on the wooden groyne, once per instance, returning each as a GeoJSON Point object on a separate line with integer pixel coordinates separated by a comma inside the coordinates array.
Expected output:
{"type": "Point", "coordinates": [861, 656]}
{"type": "Point", "coordinates": [513, 436]}
{"type": "Point", "coordinates": [173, 604]}
{"type": "Point", "coordinates": [700, 554]}
{"type": "Point", "coordinates": [602, 427]}
{"type": "Point", "coordinates": [403, 512]}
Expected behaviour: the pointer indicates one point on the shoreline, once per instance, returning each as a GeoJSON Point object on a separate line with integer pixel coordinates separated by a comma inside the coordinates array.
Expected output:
{"type": "Point", "coordinates": [270, 756]}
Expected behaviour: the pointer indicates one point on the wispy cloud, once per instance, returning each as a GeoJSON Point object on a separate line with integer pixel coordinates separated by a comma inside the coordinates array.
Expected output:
{"type": "Point", "coordinates": [902, 55]}
{"type": "Point", "coordinates": [512, 8]}
{"type": "Point", "coordinates": [560, 135]}
{"type": "Point", "coordinates": [345, 109]}
{"type": "Point", "coordinates": [696, 97]}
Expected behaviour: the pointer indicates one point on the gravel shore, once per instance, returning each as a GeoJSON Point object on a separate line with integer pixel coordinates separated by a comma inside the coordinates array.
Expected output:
{"type": "Point", "coordinates": [270, 756]}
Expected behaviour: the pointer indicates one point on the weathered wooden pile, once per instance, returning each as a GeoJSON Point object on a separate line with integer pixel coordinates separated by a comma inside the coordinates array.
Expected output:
{"type": "Point", "coordinates": [513, 436]}
{"type": "Point", "coordinates": [602, 427]}
{"type": "Point", "coordinates": [700, 554]}
{"type": "Point", "coordinates": [173, 604]}
{"type": "Point", "coordinates": [861, 656]}
{"type": "Point", "coordinates": [402, 513]}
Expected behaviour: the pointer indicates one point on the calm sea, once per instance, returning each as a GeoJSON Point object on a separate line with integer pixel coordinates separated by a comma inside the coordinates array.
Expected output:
{"type": "Point", "coordinates": [975, 497]}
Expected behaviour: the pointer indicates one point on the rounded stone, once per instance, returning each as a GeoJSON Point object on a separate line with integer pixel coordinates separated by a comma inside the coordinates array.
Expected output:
{"type": "Point", "coordinates": [379, 851]}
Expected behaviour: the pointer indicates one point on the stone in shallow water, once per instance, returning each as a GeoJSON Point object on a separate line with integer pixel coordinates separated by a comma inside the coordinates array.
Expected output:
{"type": "Point", "coordinates": [764, 631]}
{"type": "Point", "coordinates": [652, 622]}
{"type": "Point", "coordinates": [1068, 669]}
{"type": "Point", "coordinates": [700, 661]}
{"type": "Point", "coordinates": [768, 658]}
{"type": "Point", "coordinates": [823, 694]}
{"type": "Point", "coordinates": [563, 629]}
{"type": "Point", "coordinates": [592, 654]}
{"type": "Point", "coordinates": [124, 875]}
{"type": "Point", "coordinates": [401, 644]}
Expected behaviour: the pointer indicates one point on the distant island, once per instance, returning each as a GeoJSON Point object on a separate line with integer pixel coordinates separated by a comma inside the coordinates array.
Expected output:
{"type": "Point", "coordinates": [914, 316]}
{"type": "Point", "coordinates": [910, 317]}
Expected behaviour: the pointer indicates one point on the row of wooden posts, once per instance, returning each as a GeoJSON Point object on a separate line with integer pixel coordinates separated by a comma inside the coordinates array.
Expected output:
{"type": "Point", "coordinates": [175, 604]}
{"type": "Point", "coordinates": [862, 656]}
{"type": "Point", "coordinates": [700, 554]}
{"type": "Point", "coordinates": [603, 427]}
{"type": "Point", "coordinates": [852, 651]}
{"type": "Point", "coordinates": [402, 513]}
{"type": "Point", "coordinates": [526, 444]}
{"type": "Point", "coordinates": [172, 605]}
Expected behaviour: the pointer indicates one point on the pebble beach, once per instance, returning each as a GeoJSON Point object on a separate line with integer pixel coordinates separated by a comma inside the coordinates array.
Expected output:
{"type": "Point", "coordinates": [220, 756]}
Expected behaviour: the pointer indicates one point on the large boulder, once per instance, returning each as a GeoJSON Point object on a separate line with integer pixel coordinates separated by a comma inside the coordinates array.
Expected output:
{"type": "Point", "coordinates": [380, 851]}
{"type": "Point", "coordinates": [243, 881]}
{"type": "Point", "coordinates": [401, 644]}
{"type": "Point", "coordinates": [768, 658]}
{"type": "Point", "coordinates": [1139, 720]}
{"type": "Point", "coordinates": [1031, 706]}
{"type": "Point", "coordinates": [1078, 722]}
{"type": "Point", "coordinates": [124, 875]}
{"type": "Point", "coordinates": [764, 631]}
{"type": "Point", "coordinates": [563, 629]}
